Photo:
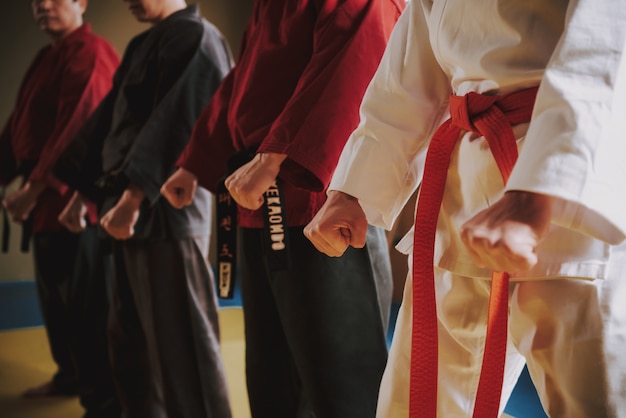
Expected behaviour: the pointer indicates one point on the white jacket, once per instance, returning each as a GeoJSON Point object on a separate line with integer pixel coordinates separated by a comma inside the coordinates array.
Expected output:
{"type": "Point", "coordinates": [573, 149]}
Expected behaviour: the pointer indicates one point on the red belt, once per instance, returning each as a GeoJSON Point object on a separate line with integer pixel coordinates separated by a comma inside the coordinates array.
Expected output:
{"type": "Point", "coordinates": [493, 118]}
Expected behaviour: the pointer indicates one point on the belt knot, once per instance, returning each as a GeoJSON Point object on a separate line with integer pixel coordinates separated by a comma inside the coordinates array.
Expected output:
{"type": "Point", "coordinates": [465, 110]}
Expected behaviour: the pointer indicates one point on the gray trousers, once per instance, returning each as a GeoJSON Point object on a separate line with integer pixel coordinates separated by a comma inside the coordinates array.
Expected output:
{"type": "Point", "coordinates": [164, 331]}
{"type": "Point", "coordinates": [315, 334]}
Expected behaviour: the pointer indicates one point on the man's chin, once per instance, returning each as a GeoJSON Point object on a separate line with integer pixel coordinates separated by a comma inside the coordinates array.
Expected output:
{"type": "Point", "coordinates": [138, 13]}
{"type": "Point", "coordinates": [140, 16]}
{"type": "Point", "coordinates": [50, 30]}
{"type": "Point", "coordinates": [44, 25]}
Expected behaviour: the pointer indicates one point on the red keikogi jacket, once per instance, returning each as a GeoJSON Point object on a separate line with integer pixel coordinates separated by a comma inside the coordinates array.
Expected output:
{"type": "Point", "coordinates": [63, 85]}
{"type": "Point", "coordinates": [296, 89]}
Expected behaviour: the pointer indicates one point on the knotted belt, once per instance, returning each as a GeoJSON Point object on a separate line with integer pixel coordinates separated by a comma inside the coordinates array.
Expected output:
{"type": "Point", "coordinates": [23, 168]}
{"type": "Point", "coordinates": [493, 118]}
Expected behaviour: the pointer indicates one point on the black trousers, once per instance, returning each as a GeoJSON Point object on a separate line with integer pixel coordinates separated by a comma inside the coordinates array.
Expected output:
{"type": "Point", "coordinates": [315, 335]}
{"type": "Point", "coordinates": [73, 277]}
{"type": "Point", "coordinates": [164, 331]}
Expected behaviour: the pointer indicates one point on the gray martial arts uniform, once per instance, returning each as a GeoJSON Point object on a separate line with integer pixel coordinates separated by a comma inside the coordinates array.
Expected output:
{"type": "Point", "coordinates": [163, 325]}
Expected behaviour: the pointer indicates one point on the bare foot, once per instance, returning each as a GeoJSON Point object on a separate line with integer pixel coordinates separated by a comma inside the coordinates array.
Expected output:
{"type": "Point", "coordinates": [46, 390]}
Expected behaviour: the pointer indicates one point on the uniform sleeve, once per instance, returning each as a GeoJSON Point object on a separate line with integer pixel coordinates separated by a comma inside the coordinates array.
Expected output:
{"type": "Point", "coordinates": [80, 164]}
{"type": "Point", "coordinates": [86, 79]}
{"type": "Point", "coordinates": [8, 164]}
{"type": "Point", "coordinates": [186, 81]}
{"type": "Point", "coordinates": [575, 148]}
{"type": "Point", "coordinates": [211, 144]}
{"type": "Point", "coordinates": [404, 104]}
{"type": "Point", "coordinates": [349, 40]}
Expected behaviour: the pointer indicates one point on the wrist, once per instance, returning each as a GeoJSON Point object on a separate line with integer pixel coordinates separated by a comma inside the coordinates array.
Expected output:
{"type": "Point", "coordinates": [272, 158]}
{"type": "Point", "coordinates": [34, 188]}
{"type": "Point", "coordinates": [531, 198]}
{"type": "Point", "coordinates": [133, 194]}
{"type": "Point", "coordinates": [339, 195]}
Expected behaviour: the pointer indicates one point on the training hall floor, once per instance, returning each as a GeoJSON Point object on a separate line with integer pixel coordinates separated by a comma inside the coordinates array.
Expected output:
{"type": "Point", "coordinates": [25, 360]}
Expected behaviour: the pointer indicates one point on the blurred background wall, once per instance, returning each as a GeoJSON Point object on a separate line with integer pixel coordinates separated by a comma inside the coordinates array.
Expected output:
{"type": "Point", "coordinates": [20, 39]}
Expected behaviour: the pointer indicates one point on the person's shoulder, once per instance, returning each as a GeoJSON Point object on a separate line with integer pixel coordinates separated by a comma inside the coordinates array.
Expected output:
{"type": "Point", "coordinates": [89, 51]}
{"type": "Point", "coordinates": [211, 30]}
{"type": "Point", "coordinates": [181, 34]}
{"type": "Point", "coordinates": [90, 44]}
{"type": "Point", "coordinates": [102, 48]}
{"type": "Point", "coordinates": [100, 41]}
{"type": "Point", "coordinates": [215, 46]}
{"type": "Point", "coordinates": [184, 23]}
{"type": "Point", "coordinates": [41, 52]}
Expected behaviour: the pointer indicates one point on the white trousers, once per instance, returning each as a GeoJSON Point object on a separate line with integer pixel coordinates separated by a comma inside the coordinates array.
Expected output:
{"type": "Point", "coordinates": [571, 333]}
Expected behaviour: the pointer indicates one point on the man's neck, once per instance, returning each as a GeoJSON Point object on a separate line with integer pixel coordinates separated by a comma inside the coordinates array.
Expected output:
{"type": "Point", "coordinates": [57, 37]}
{"type": "Point", "coordinates": [172, 7]}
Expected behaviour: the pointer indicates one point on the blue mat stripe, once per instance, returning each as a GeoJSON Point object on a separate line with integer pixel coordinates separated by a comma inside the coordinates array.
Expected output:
{"type": "Point", "coordinates": [19, 305]}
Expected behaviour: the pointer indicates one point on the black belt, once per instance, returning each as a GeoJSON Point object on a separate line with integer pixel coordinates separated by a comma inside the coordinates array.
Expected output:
{"type": "Point", "coordinates": [27, 232]}
{"type": "Point", "coordinates": [23, 168]}
{"type": "Point", "coordinates": [275, 231]}
{"type": "Point", "coordinates": [107, 185]}
{"type": "Point", "coordinates": [5, 228]}
{"type": "Point", "coordinates": [226, 241]}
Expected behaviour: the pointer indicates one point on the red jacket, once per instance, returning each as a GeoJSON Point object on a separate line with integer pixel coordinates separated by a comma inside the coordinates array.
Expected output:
{"type": "Point", "coordinates": [296, 89]}
{"type": "Point", "coordinates": [63, 85]}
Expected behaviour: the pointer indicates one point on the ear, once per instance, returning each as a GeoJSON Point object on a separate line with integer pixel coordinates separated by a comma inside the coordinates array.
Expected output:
{"type": "Point", "coordinates": [82, 5]}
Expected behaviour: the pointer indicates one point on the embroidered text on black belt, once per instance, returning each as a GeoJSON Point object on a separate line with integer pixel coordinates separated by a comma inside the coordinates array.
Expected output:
{"type": "Point", "coordinates": [276, 233]}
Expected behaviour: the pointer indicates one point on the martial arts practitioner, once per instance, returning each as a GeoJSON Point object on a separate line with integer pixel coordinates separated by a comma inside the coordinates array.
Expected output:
{"type": "Point", "coordinates": [556, 226]}
{"type": "Point", "coordinates": [314, 325]}
{"type": "Point", "coordinates": [64, 84]}
{"type": "Point", "coordinates": [163, 326]}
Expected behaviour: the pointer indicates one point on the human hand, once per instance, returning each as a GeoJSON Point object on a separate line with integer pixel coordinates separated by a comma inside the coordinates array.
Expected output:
{"type": "Point", "coordinates": [20, 203]}
{"type": "Point", "coordinates": [120, 220]}
{"type": "Point", "coordinates": [180, 188]}
{"type": "Point", "coordinates": [504, 236]}
{"type": "Point", "coordinates": [73, 215]}
{"type": "Point", "coordinates": [339, 223]}
{"type": "Point", "coordinates": [248, 183]}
